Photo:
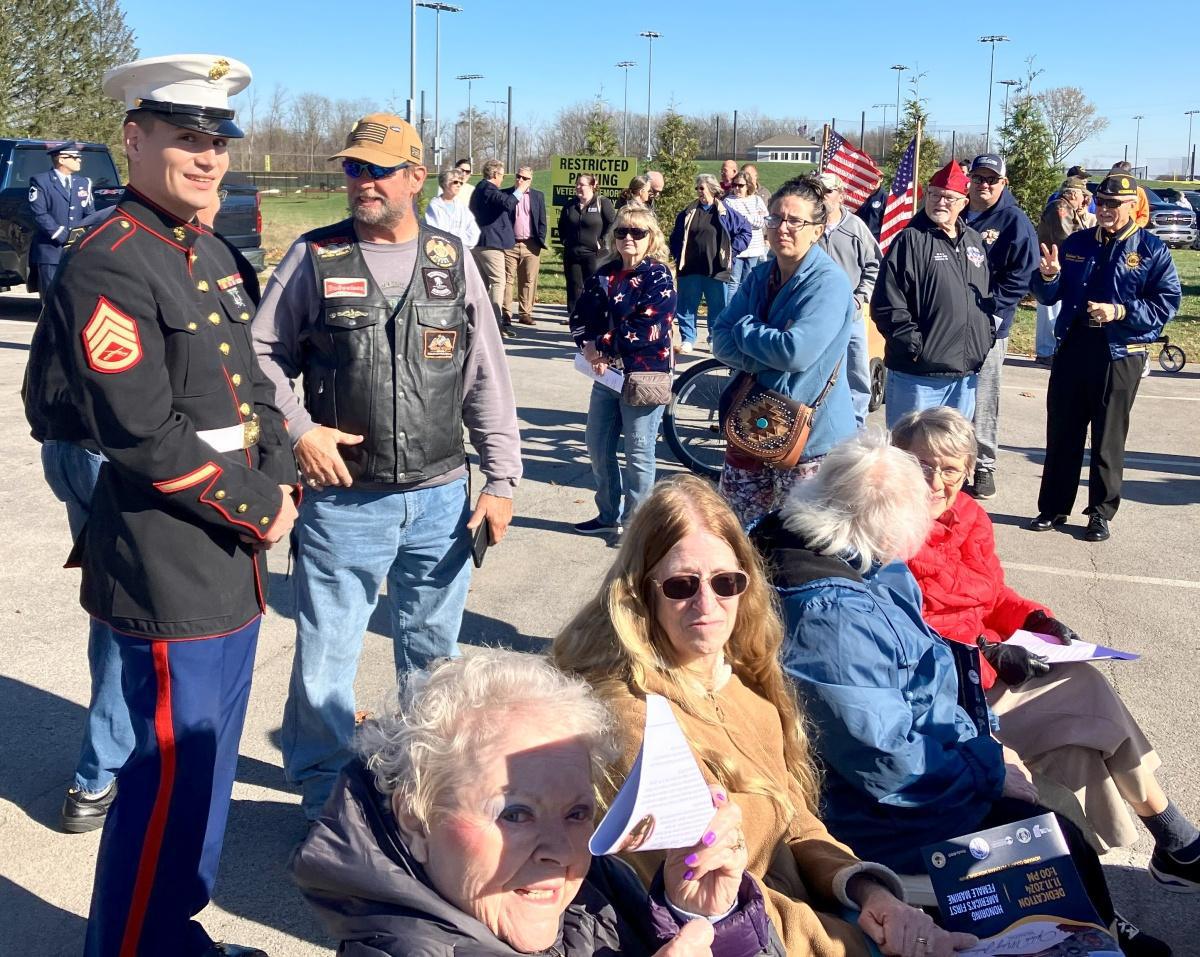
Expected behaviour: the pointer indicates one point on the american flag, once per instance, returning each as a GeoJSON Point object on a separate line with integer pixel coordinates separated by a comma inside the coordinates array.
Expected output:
{"type": "Point", "coordinates": [900, 201]}
{"type": "Point", "coordinates": [857, 170]}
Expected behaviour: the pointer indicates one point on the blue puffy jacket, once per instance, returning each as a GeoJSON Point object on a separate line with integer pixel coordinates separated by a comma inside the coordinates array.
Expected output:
{"type": "Point", "coordinates": [904, 765]}
{"type": "Point", "coordinates": [795, 348]}
{"type": "Point", "coordinates": [1012, 251]}
{"type": "Point", "coordinates": [1133, 270]}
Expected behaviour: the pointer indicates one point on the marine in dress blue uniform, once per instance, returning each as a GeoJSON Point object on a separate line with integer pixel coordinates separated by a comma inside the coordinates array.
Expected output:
{"type": "Point", "coordinates": [60, 199]}
{"type": "Point", "coordinates": [152, 313]}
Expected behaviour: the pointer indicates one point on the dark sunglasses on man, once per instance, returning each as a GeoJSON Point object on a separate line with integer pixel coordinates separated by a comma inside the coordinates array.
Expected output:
{"type": "Point", "coordinates": [523, 179]}
{"type": "Point", "coordinates": [355, 169]}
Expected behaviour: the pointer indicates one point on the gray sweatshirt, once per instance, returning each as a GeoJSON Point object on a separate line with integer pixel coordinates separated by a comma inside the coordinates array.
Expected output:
{"type": "Point", "coordinates": [851, 245]}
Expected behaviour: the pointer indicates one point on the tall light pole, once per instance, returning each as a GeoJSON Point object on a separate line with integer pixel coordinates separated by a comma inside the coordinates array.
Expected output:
{"type": "Point", "coordinates": [411, 109]}
{"type": "Point", "coordinates": [439, 9]}
{"type": "Point", "coordinates": [899, 68]}
{"type": "Point", "coordinates": [650, 36]}
{"type": "Point", "coordinates": [993, 39]}
{"type": "Point", "coordinates": [625, 65]}
{"type": "Point", "coordinates": [883, 134]}
{"type": "Point", "coordinates": [496, 125]}
{"type": "Point", "coordinates": [1008, 85]}
{"type": "Point", "coordinates": [1136, 139]}
{"type": "Point", "coordinates": [470, 78]}
{"type": "Point", "coordinates": [1187, 158]}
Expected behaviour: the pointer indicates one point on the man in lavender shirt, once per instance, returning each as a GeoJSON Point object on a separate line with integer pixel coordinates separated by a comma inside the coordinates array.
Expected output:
{"type": "Point", "coordinates": [521, 262]}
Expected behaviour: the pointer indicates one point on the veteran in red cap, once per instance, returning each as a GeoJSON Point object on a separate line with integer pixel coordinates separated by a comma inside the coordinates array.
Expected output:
{"type": "Point", "coordinates": [932, 304]}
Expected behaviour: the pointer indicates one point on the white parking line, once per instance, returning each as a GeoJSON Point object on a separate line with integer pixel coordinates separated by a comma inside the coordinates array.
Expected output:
{"type": "Point", "coordinates": [1141, 395]}
{"type": "Point", "coordinates": [1103, 576]}
{"type": "Point", "coordinates": [1132, 460]}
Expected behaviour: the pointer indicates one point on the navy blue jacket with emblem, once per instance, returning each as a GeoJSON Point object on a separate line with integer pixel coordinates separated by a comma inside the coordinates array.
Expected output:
{"type": "Point", "coordinates": [56, 210]}
{"type": "Point", "coordinates": [1011, 242]}
{"type": "Point", "coordinates": [1133, 269]}
{"type": "Point", "coordinates": [628, 314]}
{"type": "Point", "coordinates": [150, 320]}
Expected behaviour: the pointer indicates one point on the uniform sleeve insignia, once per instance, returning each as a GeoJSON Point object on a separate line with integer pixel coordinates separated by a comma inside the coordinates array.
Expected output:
{"type": "Point", "coordinates": [440, 252]}
{"type": "Point", "coordinates": [1133, 260]}
{"type": "Point", "coordinates": [75, 234]}
{"type": "Point", "coordinates": [110, 339]}
{"type": "Point", "coordinates": [33, 194]}
{"type": "Point", "coordinates": [218, 69]}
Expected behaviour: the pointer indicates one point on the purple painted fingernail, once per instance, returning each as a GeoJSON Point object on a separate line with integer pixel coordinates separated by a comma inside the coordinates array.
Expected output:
{"type": "Point", "coordinates": [722, 796]}
{"type": "Point", "coordinates": [688, 875]}
{"type": "Point", "coordinates": [691, 860]}
{"type": "Point", "coordinates": [708, 839]}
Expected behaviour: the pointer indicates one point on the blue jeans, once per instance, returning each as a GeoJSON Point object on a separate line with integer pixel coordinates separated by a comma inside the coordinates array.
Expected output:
{"type": "Point", "coordinates": [608, 417]}
{"type": "Point", "coordinates": [910, 393]}
{"type": "Point", "coordinates": [742, 268]}
{"type": "Point", "coordinates": [691, 290]}
{"type": "Point", "coordinates": [347, 543]}
{"type": "Point", "coordinates": [858, 369]}
{"type": "Point", "coordinates": [71, 472]}
{"type": "Point", "coordinates": [1045, 344]}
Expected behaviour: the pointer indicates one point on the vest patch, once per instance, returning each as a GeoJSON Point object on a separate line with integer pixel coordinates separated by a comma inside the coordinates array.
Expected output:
{"type": "Point", "coordinates": [345, 288]}
{"type": "Point", "coordinates": [439, 284]}
{"type": "Point", "coordinates": [348, 314]}
{"type": "Point", "coordinates": [439, 344]}
{"type": "Point", "coordinates": [440, 252]}
{"type": "Point", "coordinates": [333, 250]}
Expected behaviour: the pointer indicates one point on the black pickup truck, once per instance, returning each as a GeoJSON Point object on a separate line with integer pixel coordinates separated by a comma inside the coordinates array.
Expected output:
{"type": "Point", "coordinates": [239, 219]}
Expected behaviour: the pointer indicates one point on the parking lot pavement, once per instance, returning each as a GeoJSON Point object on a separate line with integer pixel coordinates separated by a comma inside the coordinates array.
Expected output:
{"type": "Point", "coordinates": [1140, 591]}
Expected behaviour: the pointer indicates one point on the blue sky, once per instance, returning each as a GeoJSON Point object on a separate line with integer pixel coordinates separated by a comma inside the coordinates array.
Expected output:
{"type": "Point", "coordinates": [779, 56]}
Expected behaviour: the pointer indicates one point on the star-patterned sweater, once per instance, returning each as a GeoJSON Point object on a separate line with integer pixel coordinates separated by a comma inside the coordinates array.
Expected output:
{"type": "Point", "coordinates": [628, 314]}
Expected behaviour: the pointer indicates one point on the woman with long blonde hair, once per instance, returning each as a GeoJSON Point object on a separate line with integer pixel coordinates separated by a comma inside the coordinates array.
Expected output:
{"type": "Point", "coordinates": [687, 612]}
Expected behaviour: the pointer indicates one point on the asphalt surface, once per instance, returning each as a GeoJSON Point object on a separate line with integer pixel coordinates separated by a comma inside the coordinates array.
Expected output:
{"type": "Point", "coordinates": [1140, 592]}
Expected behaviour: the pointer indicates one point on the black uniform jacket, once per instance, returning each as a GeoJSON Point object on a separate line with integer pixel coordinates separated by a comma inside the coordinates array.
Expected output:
{"type": "Point", "coordinates": [152, 320]}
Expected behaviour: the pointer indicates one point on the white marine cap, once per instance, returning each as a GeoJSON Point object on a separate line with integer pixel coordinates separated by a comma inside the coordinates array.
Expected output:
{"type": "Point", "coordinates": [190, 90]}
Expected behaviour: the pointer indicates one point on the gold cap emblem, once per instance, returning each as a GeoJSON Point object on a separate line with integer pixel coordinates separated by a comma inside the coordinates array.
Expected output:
{"type": "Point", "coordinates": [218, 69]}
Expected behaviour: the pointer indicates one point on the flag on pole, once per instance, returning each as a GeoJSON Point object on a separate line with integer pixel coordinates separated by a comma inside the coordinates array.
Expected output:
{"type": "Point", "coordinates": [856, 168]}
{"type": "Point", "coordinates": [899, 209]}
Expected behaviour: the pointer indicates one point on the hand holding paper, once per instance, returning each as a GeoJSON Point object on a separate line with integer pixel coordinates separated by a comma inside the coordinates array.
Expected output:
{"type": "Point", "coordinates": [1055, 653]}
{"type": "Point", "coordinates": [704, 878]}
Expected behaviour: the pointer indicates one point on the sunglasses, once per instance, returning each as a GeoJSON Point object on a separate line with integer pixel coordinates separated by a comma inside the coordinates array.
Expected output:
{"type": "Point", "coordinates": [632, 232]}
{"type": "Point", "coordinates": [739, 185]}
{"type": "Point", "coordinates": [523, 179]}
{"type": "Point", "coordinates": [1109, 203]}
{"type": "Point", "coordinates": [723, 585]}
{"type": "Point", "coordinates": [354, 169]}
{"type": "Point", "coordinates": [984, 180]}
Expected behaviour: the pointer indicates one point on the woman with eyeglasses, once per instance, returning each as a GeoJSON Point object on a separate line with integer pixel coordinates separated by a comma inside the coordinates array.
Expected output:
{"type": "Point", "coordinates": [707, 239]}
{"type": "Point", "coordinates": [623, 321]}
{"type": "Point", "coordinates": [743, 199]}
{"type": "Point", "coordinates": [687, 612]}
{"type": "Point", "coordinates": [788, 326]}
{"type": "Point", "coordinates": [1064, 721]}
{"type": "Point", "coordinates": [583, 226]}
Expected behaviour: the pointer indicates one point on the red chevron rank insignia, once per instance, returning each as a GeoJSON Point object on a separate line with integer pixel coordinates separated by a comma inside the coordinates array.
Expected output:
{"type": "Point", "coordinates": [110, 339]}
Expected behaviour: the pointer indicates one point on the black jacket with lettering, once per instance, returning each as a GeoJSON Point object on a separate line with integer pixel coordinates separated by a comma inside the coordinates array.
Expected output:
{"type": "Point", "coordinates": [149, 319]}
{"type": "Point", "coordinates": [931, 303]}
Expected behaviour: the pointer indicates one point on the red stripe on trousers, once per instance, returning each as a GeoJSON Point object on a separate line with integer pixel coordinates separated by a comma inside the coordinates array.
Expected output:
{"type": "Point", "coordinates": [164, 734]}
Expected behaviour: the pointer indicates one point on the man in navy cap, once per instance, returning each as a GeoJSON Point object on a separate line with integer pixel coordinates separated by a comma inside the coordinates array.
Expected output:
{"type": "Point", "coordinates": [145, 341]}
{"type": "Point", "coordinates": [59, 199]}
{"type": "Point", "coordinates": [1010, 242]}
{"type": "Point", "coordinates": [1118, 287]}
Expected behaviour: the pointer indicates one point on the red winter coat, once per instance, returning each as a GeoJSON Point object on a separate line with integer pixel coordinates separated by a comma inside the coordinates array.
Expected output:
{"type": "Point", "coordinates": [962, 583]}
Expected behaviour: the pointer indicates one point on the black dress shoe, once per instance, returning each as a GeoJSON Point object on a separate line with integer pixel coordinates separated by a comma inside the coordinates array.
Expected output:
{"type": "Point", "coordinates": [85, 812]}
{"type": "Point", "coordinates": [1097, 529]}
{"type": "Point", "coordinates": [234, 950]}
{"type": "Point", "coordinates": [1045, 521]}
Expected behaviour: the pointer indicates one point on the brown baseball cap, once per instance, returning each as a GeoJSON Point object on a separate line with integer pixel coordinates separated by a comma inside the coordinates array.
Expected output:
{"type": "Point", "coordinates": [383, 139]}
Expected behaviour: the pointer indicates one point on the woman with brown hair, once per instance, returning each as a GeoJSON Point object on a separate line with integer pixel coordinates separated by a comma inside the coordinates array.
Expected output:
{"type": "Point", "coordinates": [583, 225]}
{"type": "Point", "coordinates": [687, 612]}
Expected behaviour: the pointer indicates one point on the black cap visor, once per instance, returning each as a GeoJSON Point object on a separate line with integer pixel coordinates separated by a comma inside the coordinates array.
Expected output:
{"type": "Point", "coordinates": [202, 119]}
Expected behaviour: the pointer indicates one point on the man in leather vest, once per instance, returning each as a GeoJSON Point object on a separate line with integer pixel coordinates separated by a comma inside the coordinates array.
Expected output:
{"type": "Point", "coordinates": [389, 322]}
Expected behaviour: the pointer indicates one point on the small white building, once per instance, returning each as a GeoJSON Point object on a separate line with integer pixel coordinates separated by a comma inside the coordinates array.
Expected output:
{"type": "Point", "coordinates": [787, 148]}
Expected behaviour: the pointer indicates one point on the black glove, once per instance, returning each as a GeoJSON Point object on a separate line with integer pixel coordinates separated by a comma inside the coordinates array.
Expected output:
{"type": "Point", "coordinates": [1043, 624]}
{"type": "Point", "coordinates": [1014, 665]}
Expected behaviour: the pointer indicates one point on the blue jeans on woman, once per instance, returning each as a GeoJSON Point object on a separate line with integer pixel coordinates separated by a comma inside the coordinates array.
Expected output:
{"type": "Point", "coordinates": [348, 542]}
{"type": "Point", "coordinates": [610, 416]}
{"type": "Point", "coordinates": [71, 472]}
{"type": "Point", "coordinates": [691, 290]}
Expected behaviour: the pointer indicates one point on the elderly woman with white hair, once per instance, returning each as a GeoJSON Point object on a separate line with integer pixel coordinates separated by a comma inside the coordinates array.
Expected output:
{"type": "Point", "coordinates": [463, 827]}
{"type": "Point", "coordinates": [905, 764]}
{"type": "Point", "coordinates": [445, 211]}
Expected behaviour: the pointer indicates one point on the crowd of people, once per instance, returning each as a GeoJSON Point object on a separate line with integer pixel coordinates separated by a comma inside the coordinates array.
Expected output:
{"type": "Point", "coordinates": [809, 620]}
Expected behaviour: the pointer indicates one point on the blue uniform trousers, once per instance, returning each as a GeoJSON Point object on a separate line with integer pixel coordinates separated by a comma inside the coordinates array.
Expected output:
{"type": "Point", "coordinates": [162, 839]}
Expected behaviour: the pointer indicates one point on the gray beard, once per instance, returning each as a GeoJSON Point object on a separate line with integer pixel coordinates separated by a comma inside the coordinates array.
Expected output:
{"type": "Point", "coordinates": [388, 215]}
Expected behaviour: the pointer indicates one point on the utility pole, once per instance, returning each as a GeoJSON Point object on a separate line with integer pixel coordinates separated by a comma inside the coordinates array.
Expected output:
{"type": "Point", "coordinates": [883, 128]}
{"type": "Point", "coordinates": [509, 139]}
{"type": "Point", "coordinates": [470, 78]}
{"type": "Point", "coordinates": [1008, 85]}
{"type": "Point", "coordinates": [651, 36]}
{"type": "Point", "coordinates": [439, 9]}
{"type": "Point", "coordinates": [899, 68]}
{"type": "Point", "coordinates": [411, 110]}
{"type": "Point", "coordinates": [625, 65]}
{"type": "Point", "coordinates": [495, 128]}
{"type": "Point", "coordinates": [993, 39]}
{"type": "Point", "coordinates": [735, 142]}
{"type": "Point", "coordinates": [1137, 136]}
{"type": "Point", "coordinates": [1189, 114]}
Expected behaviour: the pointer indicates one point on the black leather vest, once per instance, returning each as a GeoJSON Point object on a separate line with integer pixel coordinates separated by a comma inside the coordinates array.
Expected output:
{"type": "Point", "coordinates": [394, 376]}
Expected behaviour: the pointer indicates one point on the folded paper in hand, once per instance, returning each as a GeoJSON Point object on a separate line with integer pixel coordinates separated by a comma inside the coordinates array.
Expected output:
{"type": "Point", "coordinates": [611, 378]}
{"type": "Point", "coordinates": [1057, 654]}
{"type": "Point", "coordinates": [665, 802]}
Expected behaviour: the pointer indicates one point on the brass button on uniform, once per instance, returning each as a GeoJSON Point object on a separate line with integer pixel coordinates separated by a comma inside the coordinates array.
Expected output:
{"type": "Point", "coordinates": [192, 327]}
{"type": "Point", "coordinates": [202, 285]}
{"type": "Point", "coordinates": [236, 378]}
{"type": "Point", "coordinates": [264, 521]}
{"type": "Point", "coordinates": [224, 347]}
{"type": "Point", "coordinates": [124, 223]}
{"type": "Point", "coordinates": [214, 318]}
{"type": "Point", "coordinates": [244, 408]}
{"type": "Point", "coordinates": [219, 494]}
{"type": "Point", "coordinates": [245, 316]}
{"type": "Point", "coordinates": [243, 508]}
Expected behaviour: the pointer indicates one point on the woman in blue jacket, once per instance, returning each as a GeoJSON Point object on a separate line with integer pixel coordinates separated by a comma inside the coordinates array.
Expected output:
{"type": "Point", "coordinates": [788, 325]}
{"type": "Point", "coordinates": [905, 765]}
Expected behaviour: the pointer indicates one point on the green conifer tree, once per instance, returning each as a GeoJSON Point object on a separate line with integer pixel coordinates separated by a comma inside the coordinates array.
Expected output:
{"type": "Point", "coordinates": [1028, 150]}
{"type": "Point", "coordinates": [930, 160]}
{"type": "Point", "coordinates": [675, 157]}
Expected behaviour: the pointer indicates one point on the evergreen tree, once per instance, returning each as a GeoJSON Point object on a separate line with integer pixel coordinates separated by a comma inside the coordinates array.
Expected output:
{"type": "Point", "coordinates": [675, 158]}
{"type": "Point", "coordinates": [930, 160]}
{"type": "Point", "coordinates": [599, 138]}
{"type": "Point", "coordinates": [1027, 146]}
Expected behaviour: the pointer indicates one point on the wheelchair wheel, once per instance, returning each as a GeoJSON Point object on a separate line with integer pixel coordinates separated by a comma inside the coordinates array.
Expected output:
{"type": "Point", "coordinates": [1172, 359]}
{"type": "Point", "coordinates": [690, 423]}
{"type": "Point", "coordinates": [878, 384]}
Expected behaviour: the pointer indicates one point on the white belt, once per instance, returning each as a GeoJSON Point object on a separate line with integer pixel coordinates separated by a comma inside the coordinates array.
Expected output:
{"type": "Point", "coordinates": [232, 438]}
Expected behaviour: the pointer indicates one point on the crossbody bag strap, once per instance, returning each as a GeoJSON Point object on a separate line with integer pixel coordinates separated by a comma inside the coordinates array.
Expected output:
{"type": "Point", "coordinates": [828, 385]}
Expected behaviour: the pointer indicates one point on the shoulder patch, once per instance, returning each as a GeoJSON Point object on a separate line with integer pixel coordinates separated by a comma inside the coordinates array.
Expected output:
{"type": "Point", "coordinates": [33, 194]}
{"type": "Point", "coordinates": [440, 252]}
{"type": "Point", "coordinates": [1133, 260]}
{"type": "Point", "coordinates": [110, 339]}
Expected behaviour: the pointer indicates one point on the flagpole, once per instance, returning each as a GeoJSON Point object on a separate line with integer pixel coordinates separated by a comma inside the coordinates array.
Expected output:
{"type": "Point", "coordinates": [824, 145]}
{"type": "Point", "coordinates": [916, 165]}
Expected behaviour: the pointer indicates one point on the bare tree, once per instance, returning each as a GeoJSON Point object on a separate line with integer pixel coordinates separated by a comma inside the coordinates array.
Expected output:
{"type": "Point", "coordinates": [1071, 118]}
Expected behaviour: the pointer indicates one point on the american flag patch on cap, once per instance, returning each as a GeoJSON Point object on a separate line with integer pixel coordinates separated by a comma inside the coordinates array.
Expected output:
{"type": "Point", "coordinates": [369, 133]}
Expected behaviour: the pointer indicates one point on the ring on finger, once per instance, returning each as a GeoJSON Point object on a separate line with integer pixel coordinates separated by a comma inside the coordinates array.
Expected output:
{"type": "Point", "coordinates": [739, 841]}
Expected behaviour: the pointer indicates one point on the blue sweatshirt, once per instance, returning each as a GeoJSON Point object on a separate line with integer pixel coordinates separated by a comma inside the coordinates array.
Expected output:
{"type": "Point", "coordinates": [1012, 251]}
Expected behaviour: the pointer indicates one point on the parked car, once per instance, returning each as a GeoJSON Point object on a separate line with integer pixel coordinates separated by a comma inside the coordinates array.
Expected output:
{"type": "Point", "coordinates": [239, 219]}
{"type": "Point", "coordinates": [1175, 225]}
{"type": "Point", "coordinates": [1193, 198]}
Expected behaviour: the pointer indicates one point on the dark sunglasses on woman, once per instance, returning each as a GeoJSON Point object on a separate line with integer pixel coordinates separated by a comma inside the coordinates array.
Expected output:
{"type": "Point", "coordinates": [622, 232]}
{"type": "Point", "coordinates": [723, 585]}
